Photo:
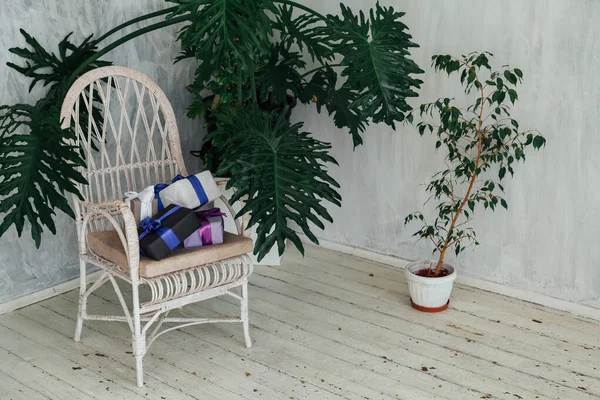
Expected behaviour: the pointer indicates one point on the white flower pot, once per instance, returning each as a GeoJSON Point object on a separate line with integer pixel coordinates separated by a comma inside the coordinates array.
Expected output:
{"type": "Point", "coordinates": [429, 294]}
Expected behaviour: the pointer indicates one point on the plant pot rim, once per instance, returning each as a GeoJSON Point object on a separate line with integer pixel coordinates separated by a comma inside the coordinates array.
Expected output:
{"type": "Point", "coordinates": [414, 266]}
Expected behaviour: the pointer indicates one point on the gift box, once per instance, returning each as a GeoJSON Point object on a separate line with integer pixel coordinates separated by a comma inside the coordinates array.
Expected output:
{"type": "Point", "coordinates": [191, 192]}
{"type": "Point", "coordinates": [160, 235]}
{"type": "Point", "coordinates": [143, 204]}
{"type": "Point", "coordinates": [210, 231]}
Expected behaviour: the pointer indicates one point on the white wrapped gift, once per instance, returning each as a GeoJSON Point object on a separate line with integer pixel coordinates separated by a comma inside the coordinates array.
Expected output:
{"type": "Point", "coordinates": [191, 192]}
{"type": "Point", "coordinates": [142, 204]}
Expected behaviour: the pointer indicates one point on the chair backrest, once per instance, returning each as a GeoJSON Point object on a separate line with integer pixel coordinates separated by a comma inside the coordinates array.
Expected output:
{"type": "Point", "coordinates": [126, 130]}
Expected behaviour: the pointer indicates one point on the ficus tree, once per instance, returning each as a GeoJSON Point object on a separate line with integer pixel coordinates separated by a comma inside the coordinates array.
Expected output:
{"type": "Point", "coordinates": [482, 143]}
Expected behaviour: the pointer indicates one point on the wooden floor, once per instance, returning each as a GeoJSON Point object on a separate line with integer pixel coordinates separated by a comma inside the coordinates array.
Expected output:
{"type": "Point", "coordinates": [327, 326]}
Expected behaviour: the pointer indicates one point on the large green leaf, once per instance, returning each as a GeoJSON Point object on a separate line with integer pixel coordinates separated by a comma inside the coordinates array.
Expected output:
{"type": "Point", "coordinates": [38, 166]}
{"type": "Point", "coordinates": [305, 30]}
{"type": "Point", "coordinates": [55, 71]}
{"type": "Point", "coordinates": [279, 76]}
{"type": "Point", "coordinates": [50, 69]}
{"type": "Point", "coordinates": [225, 31]}
{"type": "Point", "coordinates": [322, 90]}
{"type": "Point", "coordinates": [375, 56]}
{"type": "Point", "coordinates": [280, 170]}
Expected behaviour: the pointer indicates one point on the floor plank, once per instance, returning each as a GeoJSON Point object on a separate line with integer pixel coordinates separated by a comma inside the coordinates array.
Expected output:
{"type": "Point", "coordinates": [13, 389]}
{"type": "Point", "coordinates": [491, 306]}
{"type": "Point", "coordinates": [54, 333]}
{"type": "Point", "coordinates": [387, 277]}
{"type": "Point", "coordinates": [60, 369]}
{"type": "Point", "coordinates": [301, 363]}
{"type": "Point", "coordinates": [324, 326]}
{"type": "Point", "coordinates": [371, 310]}
{"type": "Point", "coordinates": [180, 359]}
{"type": "Point", "coordinates": [580, 357]}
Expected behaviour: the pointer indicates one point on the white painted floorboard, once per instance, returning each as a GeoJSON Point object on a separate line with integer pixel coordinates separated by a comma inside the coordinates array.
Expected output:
{"type": "Point", "coordinates": [324, 326]}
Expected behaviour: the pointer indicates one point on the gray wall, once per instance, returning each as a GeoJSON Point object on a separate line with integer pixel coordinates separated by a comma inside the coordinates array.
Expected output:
{"type": "Point", "coordinates": [23, 268]}
{"type": "Point", "coordinates": [548, 240]}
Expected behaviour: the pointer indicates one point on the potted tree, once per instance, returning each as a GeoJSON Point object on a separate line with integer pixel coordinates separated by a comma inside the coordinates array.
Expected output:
{"type": "Point", "coordinates": [481, 142]}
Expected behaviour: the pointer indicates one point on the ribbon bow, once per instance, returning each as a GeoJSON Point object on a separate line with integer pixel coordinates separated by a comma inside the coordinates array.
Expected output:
{"type": "Point", "coordinates": [145, 197]}
{"type": "Point", "coordinates": [194, 181]}
{"type": "Point", "coordinates": [149, 225]}
{"type": "Point", "coordinates": [210, 231]}
{"type": "Point", "coordinates": [155, 225]}
{"type": "Point", "coordinates": [161, 186]}
{"type": "Point", "coordinates": [213, 212]}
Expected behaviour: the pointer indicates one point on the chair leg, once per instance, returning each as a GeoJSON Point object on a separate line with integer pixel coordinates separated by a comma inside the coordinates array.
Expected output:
{"type": "Point", "coordinates": [82, 300]}
{"type": "Point", "coordinates": [244, 316]}
{"type": "Point", "coordinates": [139, 369]}
{"type": "Point", "coordinates": [138, 337]}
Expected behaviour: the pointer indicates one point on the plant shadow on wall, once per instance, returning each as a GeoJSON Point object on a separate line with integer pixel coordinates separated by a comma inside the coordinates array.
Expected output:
{"type": "Point", "coordinates": [481, 142]}
{"type": "Point", "coordinates": [252, 59]}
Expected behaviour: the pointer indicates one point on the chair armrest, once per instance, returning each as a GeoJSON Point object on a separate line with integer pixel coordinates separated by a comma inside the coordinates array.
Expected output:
{"type": "Point", "coordinates": [128, 233]}
{"type": "Point", "coordinates": [241, 223]}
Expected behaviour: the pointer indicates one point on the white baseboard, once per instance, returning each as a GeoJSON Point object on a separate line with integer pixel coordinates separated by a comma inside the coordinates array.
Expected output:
{"type": "Point", "coordinates": [45, 294]}
{"type": "Point", "coordinates": [521, 294]}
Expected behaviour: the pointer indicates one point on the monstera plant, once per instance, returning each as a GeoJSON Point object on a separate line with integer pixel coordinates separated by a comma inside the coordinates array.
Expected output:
{"type": "Point", "coordinates": [252, 56]}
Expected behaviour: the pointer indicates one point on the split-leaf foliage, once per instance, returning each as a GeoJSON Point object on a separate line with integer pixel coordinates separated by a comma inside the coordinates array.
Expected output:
{"type": "Point", "coordinates": [38, 163]}
{"type": "Point", "coordinates": [279, 49]}
{"type": "Point", "coordinates": [249, 53]}
{"type": "Point", "coordinates": [283, 179]}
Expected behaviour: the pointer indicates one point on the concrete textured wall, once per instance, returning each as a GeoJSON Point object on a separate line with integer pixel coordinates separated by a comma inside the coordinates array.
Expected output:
{"type": "Point", "coordinates": [547, 241]}
{"type": "Point", "coordinates": [23, 268]}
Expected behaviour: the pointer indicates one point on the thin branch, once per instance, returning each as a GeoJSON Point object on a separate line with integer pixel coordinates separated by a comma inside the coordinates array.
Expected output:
{"type": "Point", "coordinates": [465, 222]}
{"type": "Point", "coordinates": [435, 244]}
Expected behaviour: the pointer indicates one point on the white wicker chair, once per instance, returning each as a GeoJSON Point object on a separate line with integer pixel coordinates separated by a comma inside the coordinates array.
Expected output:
{"type": "Point", "coordinates": [133, 142]}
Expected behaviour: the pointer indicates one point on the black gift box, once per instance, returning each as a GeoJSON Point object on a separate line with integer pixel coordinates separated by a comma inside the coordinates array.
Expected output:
{"type": "Point", "coordinates": [182, 222]}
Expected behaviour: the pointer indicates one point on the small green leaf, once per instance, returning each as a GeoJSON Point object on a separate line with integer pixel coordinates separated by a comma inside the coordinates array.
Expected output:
{"type": "Point", "coordinates": [539, 141]}
{"type": "Point", "coordinates": [510, 77]}
{"type": "Point", "coordinates": [519, 73]}
{"type": "Point", "coordinates": [471, 204]}
{"type": "Point", "coordinates": [504, 204]}
{"type": "Point", "coordinates": [501, 172]}
{"type": "Point", "coordinates": [512, 94]}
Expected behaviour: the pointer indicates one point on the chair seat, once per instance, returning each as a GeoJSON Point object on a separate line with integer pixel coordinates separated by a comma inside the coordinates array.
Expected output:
{"type": "Point", "coordinates": [107, 245]}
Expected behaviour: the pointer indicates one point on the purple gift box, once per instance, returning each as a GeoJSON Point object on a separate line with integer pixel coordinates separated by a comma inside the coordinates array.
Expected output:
{"type": "Point", "coordinates": [211, 229]}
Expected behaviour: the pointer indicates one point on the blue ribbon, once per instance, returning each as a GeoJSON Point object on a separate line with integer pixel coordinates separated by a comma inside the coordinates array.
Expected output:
{"type": "Point", "coordinates": [198, 189]}
{"type": "Point", "coordinates": [195, 184]}
{"type": "Point", "coordinates": [177, 178]}
{"type": "Point", "coordinates": [155, 225]}
{"type": "Point", "coordinates": [157, 189]}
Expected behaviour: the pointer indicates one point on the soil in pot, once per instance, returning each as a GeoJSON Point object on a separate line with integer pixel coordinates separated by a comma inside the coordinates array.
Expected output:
{"type": "Point", "coordinates": [429, 273]}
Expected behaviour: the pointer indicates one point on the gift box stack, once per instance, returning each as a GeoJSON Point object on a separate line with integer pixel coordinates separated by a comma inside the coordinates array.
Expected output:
{"type": "Point", "coordinates": [168, 215]}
